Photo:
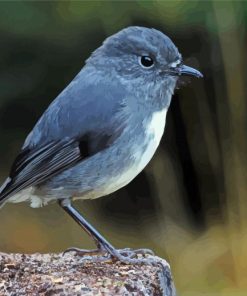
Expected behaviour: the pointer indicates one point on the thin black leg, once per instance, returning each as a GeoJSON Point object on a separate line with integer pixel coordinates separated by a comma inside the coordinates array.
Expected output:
{"type": "Point", "coordinates": [100, 241]}
{"type": "Point", "coordinates": [125, 255]}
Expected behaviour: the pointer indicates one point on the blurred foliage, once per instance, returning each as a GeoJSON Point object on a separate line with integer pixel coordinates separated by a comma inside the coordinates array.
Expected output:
{"type": "Point", "coordinates": [190, 203]}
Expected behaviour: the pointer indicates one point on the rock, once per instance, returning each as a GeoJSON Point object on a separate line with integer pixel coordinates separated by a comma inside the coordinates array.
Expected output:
{"type": "Point", "coordinates": [68, 274]}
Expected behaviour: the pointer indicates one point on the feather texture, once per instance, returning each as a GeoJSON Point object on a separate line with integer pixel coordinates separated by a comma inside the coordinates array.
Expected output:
{"type": "Point", "coordinates": [67, 133]}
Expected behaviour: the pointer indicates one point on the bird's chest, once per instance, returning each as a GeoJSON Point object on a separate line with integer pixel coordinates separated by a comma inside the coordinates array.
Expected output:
{"type": "Point", "coordinates": [142, 150]}
{"type": "Point", "coordinates": [153, 133]}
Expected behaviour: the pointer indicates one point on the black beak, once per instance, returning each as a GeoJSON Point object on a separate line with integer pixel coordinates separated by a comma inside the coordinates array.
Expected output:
{"type": "Point", "coordinates": [188, 71]}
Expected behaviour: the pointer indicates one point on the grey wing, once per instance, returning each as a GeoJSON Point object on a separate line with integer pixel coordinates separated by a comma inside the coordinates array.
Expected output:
{"type": "Point", "coordinates": [83, 120]}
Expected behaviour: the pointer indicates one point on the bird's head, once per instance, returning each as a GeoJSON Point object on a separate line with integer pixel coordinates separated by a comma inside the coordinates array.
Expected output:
{"type": "Point", "coordinates": [141, 56]}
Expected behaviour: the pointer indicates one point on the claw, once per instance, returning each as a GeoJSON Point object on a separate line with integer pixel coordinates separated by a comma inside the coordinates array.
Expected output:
{"type": "Point", "coordinates": [85, 252]}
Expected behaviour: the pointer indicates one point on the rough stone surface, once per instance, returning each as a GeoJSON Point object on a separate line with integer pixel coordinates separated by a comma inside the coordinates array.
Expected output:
{"type": "Point", "coordinates": [58, 274]}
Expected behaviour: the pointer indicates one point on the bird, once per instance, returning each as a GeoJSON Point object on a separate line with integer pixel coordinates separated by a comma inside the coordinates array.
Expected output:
{"type": "Point", "coordinates": [102, 130]}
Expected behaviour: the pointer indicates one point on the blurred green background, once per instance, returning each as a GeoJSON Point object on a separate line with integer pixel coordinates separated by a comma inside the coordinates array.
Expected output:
{"type": "Point", "coordinates": [189, 205]}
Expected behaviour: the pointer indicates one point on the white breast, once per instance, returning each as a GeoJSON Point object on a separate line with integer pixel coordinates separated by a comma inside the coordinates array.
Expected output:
{"type": "Point", "coordinates": [155, 130]}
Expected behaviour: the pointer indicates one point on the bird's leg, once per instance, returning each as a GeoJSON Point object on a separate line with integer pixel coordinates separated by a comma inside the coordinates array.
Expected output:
{"type": "Point", "coordinates": [103, 246]}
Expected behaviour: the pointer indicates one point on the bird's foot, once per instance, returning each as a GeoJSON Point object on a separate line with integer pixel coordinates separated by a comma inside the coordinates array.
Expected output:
{"type": "Point", "coordinates": [127, 255]}
{"type": "Point", "coordinates": [129, 252]}
{"type": "Point", "coordinates": [131, 256]}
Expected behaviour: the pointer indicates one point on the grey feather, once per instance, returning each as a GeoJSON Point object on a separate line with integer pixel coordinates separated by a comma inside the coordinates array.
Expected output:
{"type": "Point", "coordinates": [84, 107]}
{"type": "Point", "coordinates": [55, 142]}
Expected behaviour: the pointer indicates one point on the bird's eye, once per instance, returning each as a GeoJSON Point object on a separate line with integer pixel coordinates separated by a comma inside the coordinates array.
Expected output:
{"type": "Point", "coordinates": [146, 61]}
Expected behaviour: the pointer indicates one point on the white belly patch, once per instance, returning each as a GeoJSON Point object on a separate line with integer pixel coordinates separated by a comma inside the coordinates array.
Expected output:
{"type": "Point", "coordinates": [154, 134]}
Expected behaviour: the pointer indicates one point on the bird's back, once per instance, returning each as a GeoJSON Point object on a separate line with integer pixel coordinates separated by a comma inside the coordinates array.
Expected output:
{"type": "Point", "coordinates": [83, 120]}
